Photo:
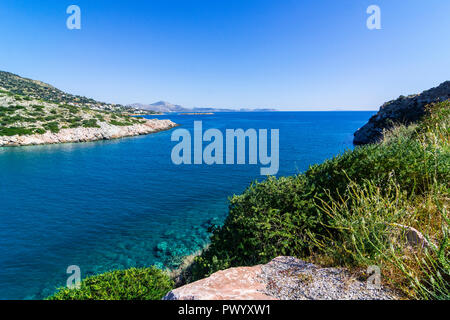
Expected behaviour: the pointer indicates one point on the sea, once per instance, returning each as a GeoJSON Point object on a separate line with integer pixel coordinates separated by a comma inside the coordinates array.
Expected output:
{"type": "Point", "coordinates": [124, 203]}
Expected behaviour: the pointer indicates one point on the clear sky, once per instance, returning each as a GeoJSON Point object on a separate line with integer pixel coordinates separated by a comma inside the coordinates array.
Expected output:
{"type": "Point", "coordinates": [285, 54]}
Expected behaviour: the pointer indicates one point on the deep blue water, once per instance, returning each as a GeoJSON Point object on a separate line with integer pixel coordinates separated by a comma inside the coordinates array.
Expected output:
{"type": "Point", "coordinates": [110, 204]}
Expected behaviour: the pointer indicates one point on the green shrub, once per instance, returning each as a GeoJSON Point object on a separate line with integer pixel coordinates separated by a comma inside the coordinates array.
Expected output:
{"type": "Point", "coordinates": [132, 284]}
{"type": "Point", "coordinates": [119, 123]}
{"type": "Point", "coordinates": [100, 117]}
{"type": "Point", "coordinates": [71, 109]}
{"type": "Point", "coordinates": [11, 109]}
{"type": "Point", "coordinates": [50, 118]}
{"type": "Point", "coordinates": [269, 219]}
{"type": "Point", "coordinates": [38, 107]}
{"type": "Point", "coordinates": [75, 125]}
{"type": "Point", "coordinates": [52, 126]}
{"type": "Point", "coordinates": [12, 131]}
{"type": "Point", "coordinates": [39, 131]}
{"type": "Point", "coordinates": [91, 123]}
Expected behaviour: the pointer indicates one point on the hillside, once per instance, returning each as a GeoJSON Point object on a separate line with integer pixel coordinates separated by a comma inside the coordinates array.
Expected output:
{"type": "Point", "coordinates": [33, 112]}
{"type": "Point", "coordinates": [26, 89]}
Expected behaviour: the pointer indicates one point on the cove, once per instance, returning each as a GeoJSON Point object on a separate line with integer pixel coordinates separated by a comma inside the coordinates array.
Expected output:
{"type": "Point", "coordinates": [123, 203]}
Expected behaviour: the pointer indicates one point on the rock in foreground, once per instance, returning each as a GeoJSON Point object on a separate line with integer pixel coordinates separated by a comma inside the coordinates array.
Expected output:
{"type": "Point", "coordinates": [404, 110]}
{"type": "Point", "coordinates": [284, 278]}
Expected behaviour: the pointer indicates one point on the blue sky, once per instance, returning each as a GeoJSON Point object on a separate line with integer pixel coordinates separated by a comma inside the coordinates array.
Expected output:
{"type": "Point", "coordinates": [285, 54]}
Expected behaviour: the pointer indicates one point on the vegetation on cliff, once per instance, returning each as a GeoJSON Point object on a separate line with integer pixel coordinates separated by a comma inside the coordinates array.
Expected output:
{"type": "Point", "coordinates": [402, 111]}
{"type": "Point", "coordinates": [33, 107]}
{"type": "Point", "coordinates": [27, 89]}
{"type": "Point", "coordinates": [348, 211]}
{"type": "Point", "coordinates": [132, 284]}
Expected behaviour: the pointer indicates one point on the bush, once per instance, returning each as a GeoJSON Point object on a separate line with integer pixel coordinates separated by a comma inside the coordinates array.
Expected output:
{"type": "Point", "coordinates": [39, 131]}
{"type": "Point", "coordinates": [269, 219]}
{"type": "Point", "coordinates": [12, 131]}
{"type": "Point", "coordinates": [52, 126]}
{"type": "Point", "coordinates": [38, 107]}
{"type": "Point", "coordinates": [118, 123]}
{"type": "Point", "coordinates": [91, 123]}
{"type": "Point", "coordinates": [132, 284]}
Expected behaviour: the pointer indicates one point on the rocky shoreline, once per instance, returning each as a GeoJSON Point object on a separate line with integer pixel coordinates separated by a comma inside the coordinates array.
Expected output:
{"type": "Point", "coordinates": [404, 110]}
{"type": "Point", "coordinates": [104, 132]}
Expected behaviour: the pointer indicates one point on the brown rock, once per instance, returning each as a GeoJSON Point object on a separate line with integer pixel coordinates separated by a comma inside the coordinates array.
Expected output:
{"type": "Point", "coordinates": [231, 284]}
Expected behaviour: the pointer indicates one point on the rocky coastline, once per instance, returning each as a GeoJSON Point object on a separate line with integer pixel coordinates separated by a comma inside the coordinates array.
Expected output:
{"type": "Point", "coordinates": [72, 135]}
{"type": "Point", "coordinates": [404, 110]}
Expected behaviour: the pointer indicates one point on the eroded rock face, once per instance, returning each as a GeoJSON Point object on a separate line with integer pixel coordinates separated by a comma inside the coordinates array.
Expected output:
{"type": "Point", "coordinates": [105, 132]}
{"type": "Point", "coordinates": [285, 278]}
{"type": "Point", "coordinates": [404, 110]}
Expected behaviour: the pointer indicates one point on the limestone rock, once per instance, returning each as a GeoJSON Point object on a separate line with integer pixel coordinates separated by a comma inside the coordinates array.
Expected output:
{"type": "Point", "coordinates": [105, 132]}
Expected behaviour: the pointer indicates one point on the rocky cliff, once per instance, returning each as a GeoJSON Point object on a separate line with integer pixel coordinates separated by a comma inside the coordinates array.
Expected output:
{"type": "Point", "coordinates": [404, 110]}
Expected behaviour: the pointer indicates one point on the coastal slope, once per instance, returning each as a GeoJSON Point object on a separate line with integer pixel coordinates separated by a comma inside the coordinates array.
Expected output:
{"type": "Point", "coordinates": [33, 113]}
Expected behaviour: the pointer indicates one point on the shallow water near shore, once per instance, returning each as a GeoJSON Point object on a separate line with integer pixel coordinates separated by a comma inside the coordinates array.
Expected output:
{"type": "Point", "coordinates": [123, 203]}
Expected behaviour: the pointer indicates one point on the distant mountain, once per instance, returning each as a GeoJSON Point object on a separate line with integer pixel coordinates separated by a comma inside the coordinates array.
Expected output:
{"type": "Point", "coordinates": [160, 106]}
{"type": "Point", "coordinates": [229, 110]}
{"type": "Point", "coordinates": [163, 106]}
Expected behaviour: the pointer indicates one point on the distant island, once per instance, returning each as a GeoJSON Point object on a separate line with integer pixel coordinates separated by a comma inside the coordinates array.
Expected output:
{"type": "Point", "coordinates": [33, 112]}
{"type": "Point", "coordinates": [167, 107]}
{"type": "Point", "coordinates": [196, 113]}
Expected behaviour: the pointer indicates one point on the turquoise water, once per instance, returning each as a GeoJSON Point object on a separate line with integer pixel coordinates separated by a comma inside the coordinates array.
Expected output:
{"type": "Point", "coordinates": [122, 203]}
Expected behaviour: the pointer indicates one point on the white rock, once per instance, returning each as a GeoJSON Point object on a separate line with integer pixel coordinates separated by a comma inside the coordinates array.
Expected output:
{"type": "Point", "coordinates": [105, 132]}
